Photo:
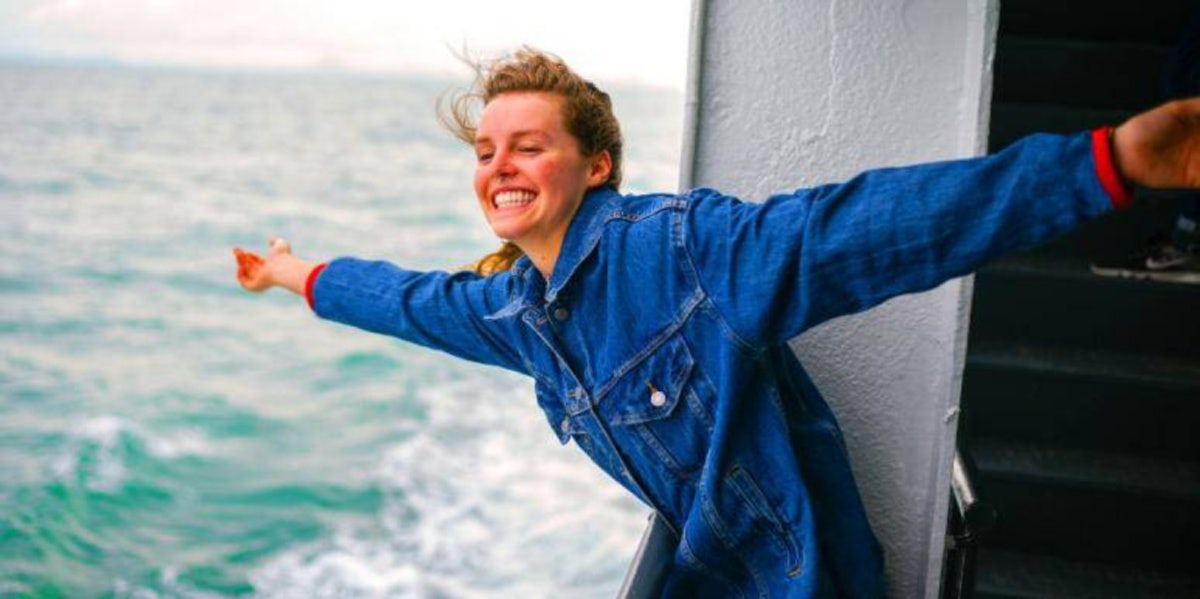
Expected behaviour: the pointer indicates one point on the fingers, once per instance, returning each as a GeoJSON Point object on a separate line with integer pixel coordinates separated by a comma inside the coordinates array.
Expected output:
{"type": "Point", "coordinates": [254, 271]}
{"type": "Point", "coordinates": [243, 264]}
{"type": "Point", "coordinates": [278, 245]}
{"type": "Point", "coordinates": [249, 269]}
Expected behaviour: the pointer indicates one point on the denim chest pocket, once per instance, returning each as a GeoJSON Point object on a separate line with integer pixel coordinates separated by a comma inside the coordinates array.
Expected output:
{"type": "Point", "coordinates": [661, 406]}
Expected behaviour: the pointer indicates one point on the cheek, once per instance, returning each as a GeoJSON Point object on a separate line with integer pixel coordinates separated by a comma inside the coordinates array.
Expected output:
{"type": "Point", "coordinates": [564, 177]}
{"type": "Point", "coordinates": [574, 182]}
{"type": "Point", "coordinates": [480, 184]}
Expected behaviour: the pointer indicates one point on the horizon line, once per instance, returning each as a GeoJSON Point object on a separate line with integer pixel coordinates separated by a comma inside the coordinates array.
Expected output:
{"type": "Point", "coordinates": [333, 70]}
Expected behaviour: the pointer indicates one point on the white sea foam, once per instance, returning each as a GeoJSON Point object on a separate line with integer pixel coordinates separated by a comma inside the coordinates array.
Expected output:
{"type": "Point", "coordinates": [345, 569]}
{"type": "Point", "coordinates": [168, 587]}
{"type": "Point", "coordinates": [16, 588]}
{"type": "Point", "coordinates": [181, 443]}
{"type": "Point", "coordinates": [95, 454]}
{"type": "Point", "coordinates": [487, 505]}
{"type": "Point", "coordinates": [94, 457]}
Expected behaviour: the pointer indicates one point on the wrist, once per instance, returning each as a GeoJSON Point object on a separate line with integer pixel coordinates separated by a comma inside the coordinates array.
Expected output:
{"type": "Point", "coordinates": [1105, 155]}
{"type": "Point", "coordinates": [310, 283]}
{"type": "Point", "coordinates": [290, 272]}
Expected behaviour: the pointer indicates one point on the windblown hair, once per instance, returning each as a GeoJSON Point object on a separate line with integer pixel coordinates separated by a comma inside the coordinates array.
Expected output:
{"type": "Point", "coordinates": [587, 112]}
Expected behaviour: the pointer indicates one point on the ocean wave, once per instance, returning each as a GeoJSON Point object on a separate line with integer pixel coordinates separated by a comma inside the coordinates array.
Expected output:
{"type": "Point", "coordinates": [471, 510]}
{"type": "Point", "coordinates": [14, 589]}
{"type": "Point", "coordinates": [510, 518]}
{"type": "Point", "coordinates": [98, 451]}
{"type": "Point", "coordinates": [167, 586]}
{"type": "Point", "coordinates": [56, 187]}
{"type": "Point", "coordinates": [345, 569]}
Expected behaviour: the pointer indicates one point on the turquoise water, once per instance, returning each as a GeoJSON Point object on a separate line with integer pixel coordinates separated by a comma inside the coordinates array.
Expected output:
{"type": "Point", "coordinates": [164, 434]}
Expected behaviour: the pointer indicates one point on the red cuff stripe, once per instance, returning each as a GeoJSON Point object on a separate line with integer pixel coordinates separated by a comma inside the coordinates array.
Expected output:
{"type": "Point", "coordinates": [1106, 168]}
{"type": "Point", "coordinates": [308, 285]}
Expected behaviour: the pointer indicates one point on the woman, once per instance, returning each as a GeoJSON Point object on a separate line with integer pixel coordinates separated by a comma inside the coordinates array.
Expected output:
{"type": "Point", "coordinates": [655, 326]}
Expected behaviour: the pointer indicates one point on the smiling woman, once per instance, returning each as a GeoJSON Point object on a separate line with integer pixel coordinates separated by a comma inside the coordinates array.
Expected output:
{"type": "Point", "coordinates": [655, 326]}
{"type": "Point", "coordinates": [546, 136]}
{"type": "Point", "coordinates": [530, 180]}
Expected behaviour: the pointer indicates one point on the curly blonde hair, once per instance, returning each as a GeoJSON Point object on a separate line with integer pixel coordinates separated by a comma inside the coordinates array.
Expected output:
{"type": "Point", "coordinates": [587, 112]}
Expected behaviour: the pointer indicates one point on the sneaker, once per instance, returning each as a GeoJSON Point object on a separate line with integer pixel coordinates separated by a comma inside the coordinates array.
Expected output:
{"type": "Point", "coordinates": [1156, 262]}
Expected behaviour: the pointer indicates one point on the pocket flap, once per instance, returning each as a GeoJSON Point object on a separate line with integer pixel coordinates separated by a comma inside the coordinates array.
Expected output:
{"type": "Point", "coordinates": [651, 389]}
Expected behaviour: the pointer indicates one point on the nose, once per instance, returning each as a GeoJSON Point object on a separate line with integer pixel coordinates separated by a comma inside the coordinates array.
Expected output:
{"type": "Point", "coordinates": [502, 166]}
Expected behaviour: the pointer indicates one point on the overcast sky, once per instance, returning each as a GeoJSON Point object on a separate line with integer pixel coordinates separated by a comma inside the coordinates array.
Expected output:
{"type": "Point", "coordinates": [638, 40]}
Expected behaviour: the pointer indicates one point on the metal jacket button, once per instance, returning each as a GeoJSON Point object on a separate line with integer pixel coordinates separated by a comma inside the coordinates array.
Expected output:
{"type": "Point", "coordinates": [566, 424]}
{"type": "Point", "coordinates": [561, 313]}
{"type": "Point", "coordinates": [658, 399]}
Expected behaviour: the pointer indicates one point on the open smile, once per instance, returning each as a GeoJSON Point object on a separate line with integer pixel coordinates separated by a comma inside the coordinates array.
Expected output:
{"type": "Point", "coordinates": [512, 198]}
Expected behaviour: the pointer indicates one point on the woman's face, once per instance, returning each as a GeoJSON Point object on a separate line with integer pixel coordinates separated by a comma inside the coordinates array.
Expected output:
{"type": "Point", "coordinates": [530, 176]}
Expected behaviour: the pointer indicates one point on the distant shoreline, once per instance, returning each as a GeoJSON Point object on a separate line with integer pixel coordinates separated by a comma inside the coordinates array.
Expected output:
{"type": "Point", "coordinates": [457, 79]}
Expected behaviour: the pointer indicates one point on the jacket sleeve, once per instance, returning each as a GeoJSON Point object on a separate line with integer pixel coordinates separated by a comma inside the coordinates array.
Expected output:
{"type": "Point", "coordinates": [439, 310]}
{"type": "Point", "coordinates": [776, 269]}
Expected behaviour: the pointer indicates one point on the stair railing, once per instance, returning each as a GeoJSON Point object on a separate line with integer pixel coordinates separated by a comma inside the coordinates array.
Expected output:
{"type": "Point", "coordinates": [970, 518]}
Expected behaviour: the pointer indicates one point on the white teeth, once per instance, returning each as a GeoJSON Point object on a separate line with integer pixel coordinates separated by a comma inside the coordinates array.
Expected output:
{"type": "Point", "coordinates": [513, 198]}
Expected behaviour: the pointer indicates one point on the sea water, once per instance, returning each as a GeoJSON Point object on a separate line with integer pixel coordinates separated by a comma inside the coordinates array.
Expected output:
{"type": "Point", "coordinates": [165, 434]}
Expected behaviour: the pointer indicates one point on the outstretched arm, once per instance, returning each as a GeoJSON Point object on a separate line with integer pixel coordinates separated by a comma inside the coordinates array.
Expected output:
{"type": "Point", "coordinates": [775, 269]}
{"type": "Point", "coordinates": [444, 311]}
{"type": "Point", "coordinates": [1160, 148]}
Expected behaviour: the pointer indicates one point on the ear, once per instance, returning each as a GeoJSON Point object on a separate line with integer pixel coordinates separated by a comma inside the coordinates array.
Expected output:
{"type": "Point", "coordinates": [599, 167]}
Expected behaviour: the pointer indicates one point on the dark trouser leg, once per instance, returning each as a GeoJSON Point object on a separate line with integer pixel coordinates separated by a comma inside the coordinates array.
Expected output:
{"type": "Point", "coordinates": [1186, 235]}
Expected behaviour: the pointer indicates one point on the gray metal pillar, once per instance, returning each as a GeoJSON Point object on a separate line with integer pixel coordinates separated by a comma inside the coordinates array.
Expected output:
{"type": "Point", "coordinates": [797, 93]}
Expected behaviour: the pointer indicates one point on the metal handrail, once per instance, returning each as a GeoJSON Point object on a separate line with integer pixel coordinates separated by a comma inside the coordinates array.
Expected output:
{"type": "Point", "coordinates": [651, 561]}
{"type": "Point", "coordinates": [970, 518]}
{"type": "Point", "coordinates": [977, 516]}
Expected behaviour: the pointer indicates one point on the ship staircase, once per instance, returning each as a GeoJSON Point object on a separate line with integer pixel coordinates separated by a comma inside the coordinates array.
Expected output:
{"type": "Point", "coordinates": [1081, 394]}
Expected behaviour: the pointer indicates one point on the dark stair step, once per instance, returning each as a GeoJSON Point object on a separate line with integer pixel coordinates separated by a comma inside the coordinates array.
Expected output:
{"type": "Point", "coordinates": [1090, 506]}
{"type": "Point", "coordinates": [1011, 121]}
{"type": "Point", "coordinates": [1083, 399]}
{"type": "Point", "coordinates": [1157, 22]}
{"type": "Point", "coordinates": [1051, 300]}
{"type": "Point", "coordinates": [1015, 575]}
{"type": "Point", "coordinates": [1169, 478]}
{"type": "Point", "coordinates": [1078, 73]}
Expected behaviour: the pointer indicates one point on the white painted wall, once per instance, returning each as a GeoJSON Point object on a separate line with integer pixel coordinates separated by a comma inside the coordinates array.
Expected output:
{"type": "Point", "coordinates": [794, 93]}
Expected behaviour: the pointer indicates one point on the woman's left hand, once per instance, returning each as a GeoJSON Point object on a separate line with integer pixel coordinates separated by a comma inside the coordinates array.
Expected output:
{"type": "Point", "coordinates": [1160, 148]}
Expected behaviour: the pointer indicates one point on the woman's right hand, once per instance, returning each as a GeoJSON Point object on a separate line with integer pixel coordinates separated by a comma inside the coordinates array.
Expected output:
{"type": "Point", "coordinates": [256, 273]}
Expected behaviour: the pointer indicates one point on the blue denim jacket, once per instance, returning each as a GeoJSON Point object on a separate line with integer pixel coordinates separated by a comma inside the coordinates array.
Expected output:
{"type": "Point", "coordinates": [659, 344]}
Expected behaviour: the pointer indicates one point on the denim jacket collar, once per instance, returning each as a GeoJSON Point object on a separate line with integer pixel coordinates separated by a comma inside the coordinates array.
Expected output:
{"type": "Point", "coordinates": [582, 235]}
